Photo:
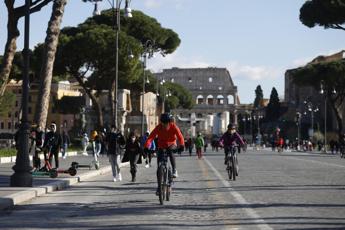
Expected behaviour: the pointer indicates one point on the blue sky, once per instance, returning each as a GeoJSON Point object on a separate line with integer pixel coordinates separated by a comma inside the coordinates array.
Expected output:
{"type": "Point", "coordinates": [257, 41]}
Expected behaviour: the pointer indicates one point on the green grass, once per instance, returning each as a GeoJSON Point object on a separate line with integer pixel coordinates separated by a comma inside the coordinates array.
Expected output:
{"type": "Point", "coordinates": [74, 148]}
{"type": "Point", "coordinates": [7, 152]}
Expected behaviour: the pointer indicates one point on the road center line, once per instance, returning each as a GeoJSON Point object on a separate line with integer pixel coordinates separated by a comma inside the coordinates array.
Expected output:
{"type": "Point", "coordinates": [239, 198]}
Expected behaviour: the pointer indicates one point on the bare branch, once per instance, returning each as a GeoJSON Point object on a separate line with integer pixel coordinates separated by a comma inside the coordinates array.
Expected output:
{"type": "Point", "coordinates": [35, 6]}
{"type": "Point", "coordinates": [337, 26]}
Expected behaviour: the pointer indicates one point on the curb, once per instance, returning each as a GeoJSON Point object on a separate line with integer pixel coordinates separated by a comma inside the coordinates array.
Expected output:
{"type": "Point", "coordinates": [12, 159]}
{"type": "Point", "coordinates": [9, 201]}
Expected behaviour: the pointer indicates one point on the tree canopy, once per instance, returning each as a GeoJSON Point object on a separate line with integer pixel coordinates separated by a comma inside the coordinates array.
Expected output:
{"type": "Point", "coordinates": [259, 95]}
{"type": "Point", "coordinates": [273, 107]}
{"type": "Point", "coordinates": [86, 46]}
{"type": "Point", "coordinates": [326, 13]}
{"type": "Point", "coordinates": [332, 76]}
{"type": "Point", "coordinates": [180, 97]}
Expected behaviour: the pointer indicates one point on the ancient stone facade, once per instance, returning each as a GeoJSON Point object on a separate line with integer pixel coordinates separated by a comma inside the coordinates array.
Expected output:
{"type": "Point", "coordinates": [215, 96]}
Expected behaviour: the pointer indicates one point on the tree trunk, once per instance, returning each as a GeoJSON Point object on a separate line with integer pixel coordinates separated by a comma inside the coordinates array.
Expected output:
{"type": "Point", "coordinates": [14, 14]}
{"type": "Point", "coordinates": [338, 114]}
{"type": "Point", "coordinates": [10, 48]}
{"type": "Point", "coordinates": [46, 73]}
{"type": "Point", "coordinates": [93, 99]}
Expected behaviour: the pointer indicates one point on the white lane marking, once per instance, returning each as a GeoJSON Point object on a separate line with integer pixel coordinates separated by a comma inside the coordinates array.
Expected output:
{"type": "Point", "coordinates": [239, 198]}
{"type": "Point", "coordinates": [317, 162]}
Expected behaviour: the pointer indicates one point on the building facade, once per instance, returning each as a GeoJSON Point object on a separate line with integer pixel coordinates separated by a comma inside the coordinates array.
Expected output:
{"type": "Point", "coordinates": [215, 96]}
{"type": "Point", "coordinates": [309, 102]}
{"type": "Point", "coordinates": [9, 123]}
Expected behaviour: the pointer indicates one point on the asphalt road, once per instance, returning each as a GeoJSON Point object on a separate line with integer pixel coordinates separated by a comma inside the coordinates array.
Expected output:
{"type": "Point", "coordinates": [273, 191]}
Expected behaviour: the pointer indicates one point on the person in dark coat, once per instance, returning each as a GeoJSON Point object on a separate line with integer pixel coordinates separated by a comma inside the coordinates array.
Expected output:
{"type": "Point", "coordinates": [133, 154]}
{"type": "Point", "coordinates": [52, 143]}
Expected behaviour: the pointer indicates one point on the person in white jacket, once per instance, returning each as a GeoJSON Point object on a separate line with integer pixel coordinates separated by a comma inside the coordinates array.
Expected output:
{"type": "Point", "coordinates": [84, 143]}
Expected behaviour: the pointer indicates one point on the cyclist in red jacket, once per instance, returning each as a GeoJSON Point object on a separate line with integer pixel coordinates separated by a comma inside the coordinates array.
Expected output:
{"type": "Point", "coordinates": [167, 133]}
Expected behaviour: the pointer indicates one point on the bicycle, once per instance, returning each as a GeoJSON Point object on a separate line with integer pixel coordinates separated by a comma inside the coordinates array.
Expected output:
{"type": "Point", "coordinates": [232, 162]}
{"type": "Point", "coordinates": [165, 178]}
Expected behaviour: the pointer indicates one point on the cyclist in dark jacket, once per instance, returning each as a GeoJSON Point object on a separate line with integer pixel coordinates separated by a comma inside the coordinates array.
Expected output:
{"type": "Point", "coordinates": [229, 139]}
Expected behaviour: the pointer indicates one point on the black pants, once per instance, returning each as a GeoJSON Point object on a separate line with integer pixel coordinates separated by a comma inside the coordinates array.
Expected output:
{"type": "Point", "coordinates": [149, 157]}
{"type": "Point", "coordinates": [171, 157]}
{"type": "Point", "coordinates": [56, 157]}
{"type": "Point", "coordinates": [36, 159]}
{"type": "Point", "coordinates": [133, 159]}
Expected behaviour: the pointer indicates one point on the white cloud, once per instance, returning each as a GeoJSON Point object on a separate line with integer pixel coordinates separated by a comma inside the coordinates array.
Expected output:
{"type": "Point", "coordinates": [300, 62]}
{"type": "Point", "coordinates": [254, 73]}
{"type": "Point", "coordinates": [158, 63]}
{"type": "Point", "coordinates": [152, 4]}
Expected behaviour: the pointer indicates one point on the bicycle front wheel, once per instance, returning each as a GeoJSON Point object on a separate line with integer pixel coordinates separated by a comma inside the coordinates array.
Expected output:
{"type": "Point", "coordinates": [228, 168]}
{"type": "Point", "coordinates": [233, 166]}
{"type": "Point", "coordinates": [161, 187]}
{"type": "Point", "coordinates": [168, 185]}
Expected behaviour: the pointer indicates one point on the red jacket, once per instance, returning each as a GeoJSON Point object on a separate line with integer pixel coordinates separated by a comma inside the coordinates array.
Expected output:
{"type": "Point", "coordinates": [166, 136]}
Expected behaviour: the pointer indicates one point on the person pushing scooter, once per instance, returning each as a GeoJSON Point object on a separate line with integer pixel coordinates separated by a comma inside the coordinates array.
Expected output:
{"type": "Point", "coordinates": [52, 143]}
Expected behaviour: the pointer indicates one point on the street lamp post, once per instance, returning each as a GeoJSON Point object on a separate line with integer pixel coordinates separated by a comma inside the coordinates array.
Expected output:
{"type": "Point", "coordinates": [298, 123]}
{"type": "Point", "coordinates": [244, 125]}
{"type": "Point", "coordinates": [325, 92]}
{"type": "Point", "coordinates": [312, 109]}
{"type": "Point", "coordinates": [161, 82]}
{"type": "Point", "coordinates": [147, 53]}
{"type": "Point", "coordinates": [128, 13]}
{"type": "Point", "coordinates": [250, 118]}
{"type": "Point", "coordinates": [22, 176]}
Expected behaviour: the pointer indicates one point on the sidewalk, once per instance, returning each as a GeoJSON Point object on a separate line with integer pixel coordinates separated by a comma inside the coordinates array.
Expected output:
{"type": "Point", "coordinates": [10, 196]}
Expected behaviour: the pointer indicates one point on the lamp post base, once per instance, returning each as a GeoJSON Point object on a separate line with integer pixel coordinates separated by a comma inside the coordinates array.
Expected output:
{"type": "Point", "coordinates": [21, 179]}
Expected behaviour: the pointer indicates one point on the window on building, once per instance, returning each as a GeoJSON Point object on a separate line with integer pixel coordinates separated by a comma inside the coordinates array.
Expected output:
{"type": "Point", "coordinates": [230, 99]}
{"type": "Point", "coordinates": [19, 91]}
{"type": "Point", "coordinates": [2, 125]}
{"type": "Point", "coordinates": [29, 110]}
{"type": "Point", "coordinates": [210, 79]}
{"type": "Point", "coordinates": [210, 100]}
{"type": "Point", "coordinates": [9, 125]}
{"type": "Point", "coordinates": [30, 99]}
{"type": "Point", "coordinates": [16, 114]}
{"type": "Point", "coordinates": [220, 100]}
{"type": "Point", "coordinates": [16, 103]}
{"type": "Point", "coordinates": [9, 114]}
{"type": "Point", "coordinates": [199, 100]}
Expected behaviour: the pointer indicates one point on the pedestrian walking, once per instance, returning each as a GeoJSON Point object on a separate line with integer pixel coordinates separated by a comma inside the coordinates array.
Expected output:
{"type": "Point", "coordinates": [190, 144]}
{"type": "Point", "coordinates": [199, 144]}
{"type": "Point", "coordinates": [149, 154]}
{"type": "Point", "coordinates": [96, 145]}
{"type": "Point", "coordinates": [65, 144]}
{"type": "Point", "coordinates": [52, 145]}
{"type": "Point", "coordinates": [116, 142]}
{"type": "Point", "coordinates": [84, 143]}
{"type": "Point", "coordinates": [205, 145]}
{"type": "Point", "coordinates": [37, 141]}
{"type": "Point", "coordinates": [133, 152]}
